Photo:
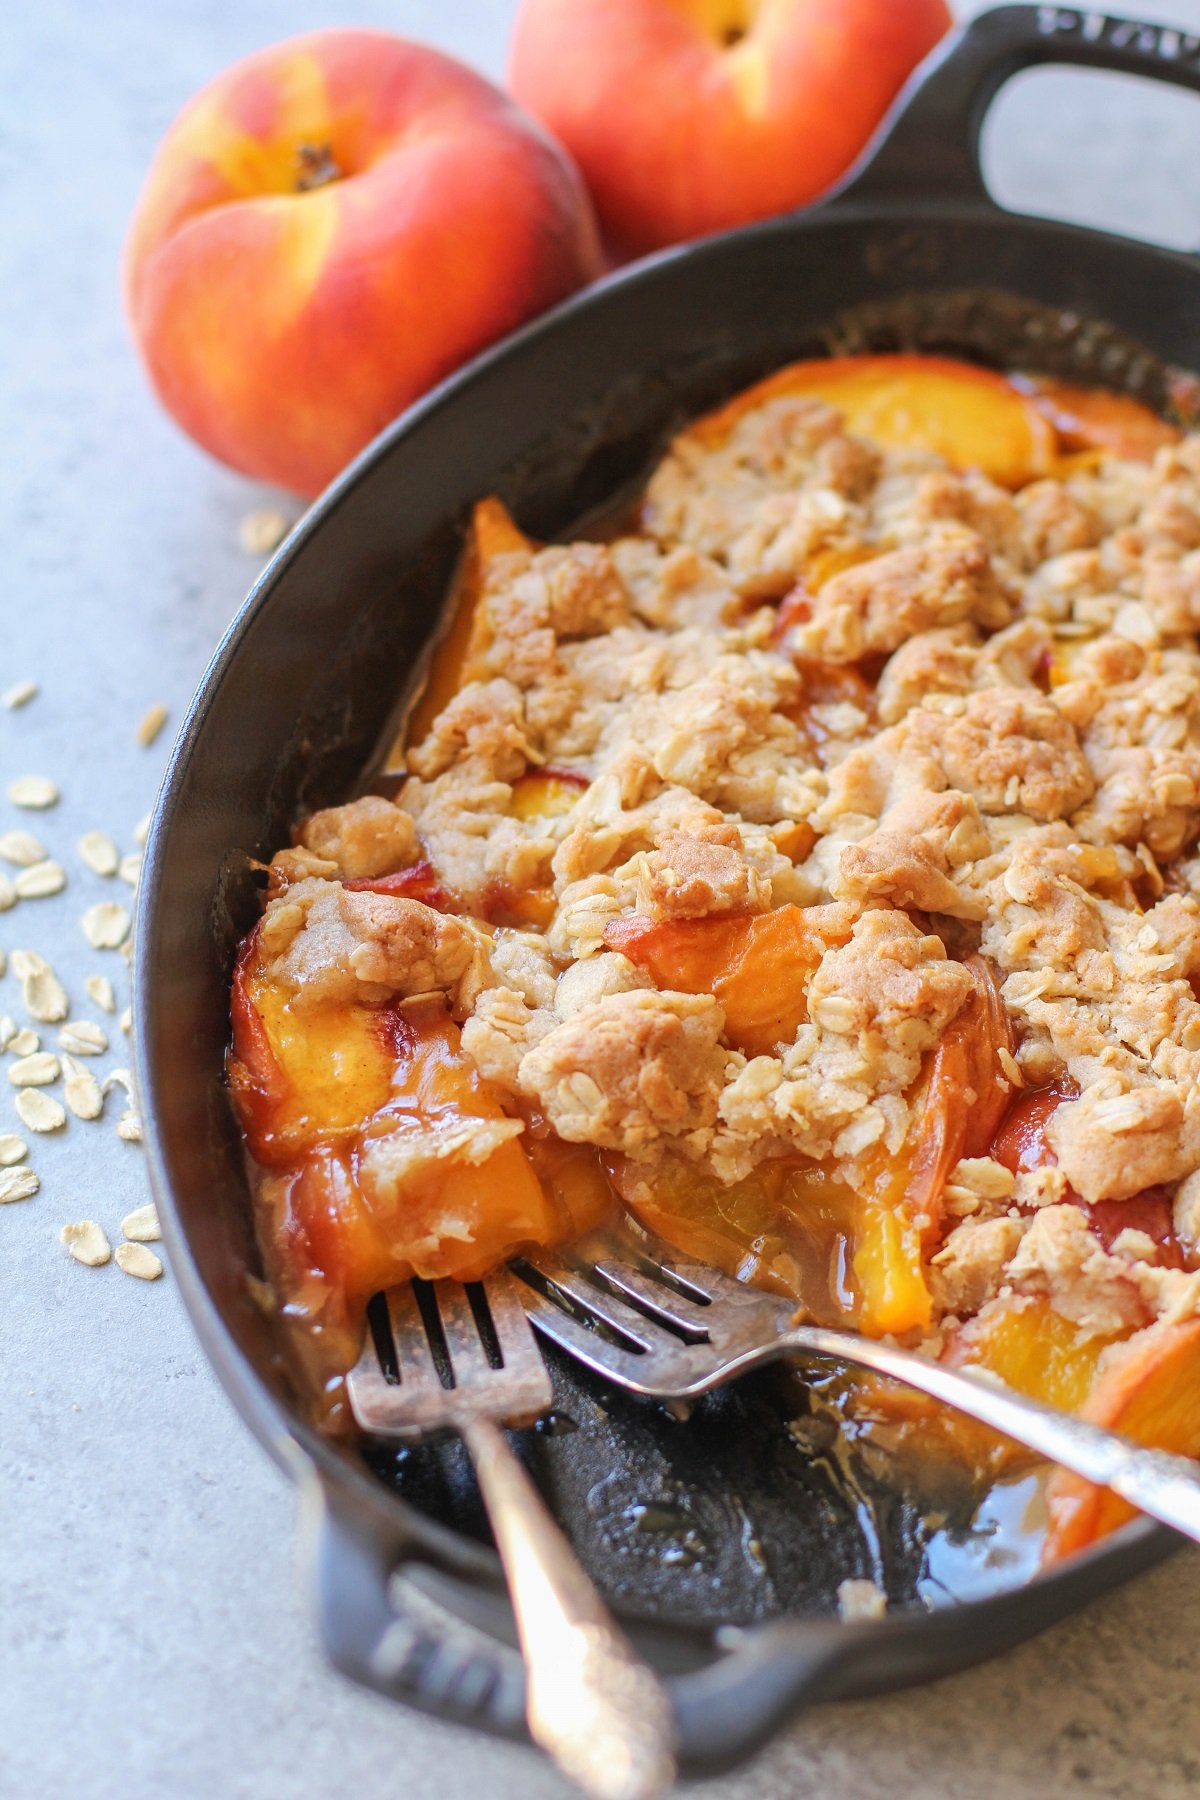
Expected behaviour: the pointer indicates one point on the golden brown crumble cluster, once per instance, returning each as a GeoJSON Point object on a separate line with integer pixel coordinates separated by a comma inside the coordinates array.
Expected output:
{"type": "Point", "coordinates": [1025, 783]}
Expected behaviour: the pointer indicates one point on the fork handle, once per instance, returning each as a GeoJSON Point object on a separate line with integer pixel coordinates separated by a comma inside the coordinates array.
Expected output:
{"type": "Point", "coordinates": [1165, 1486]}
{"type": "Point", "coordinates": [591, 1702]}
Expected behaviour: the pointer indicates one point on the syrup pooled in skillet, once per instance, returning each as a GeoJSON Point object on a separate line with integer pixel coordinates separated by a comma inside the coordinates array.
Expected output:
{"type": "Point", "coordinates": [808, 869]}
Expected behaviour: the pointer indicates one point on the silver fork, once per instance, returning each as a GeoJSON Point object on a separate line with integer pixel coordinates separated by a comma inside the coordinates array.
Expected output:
{"type": "Point", "coordinates": [671, 1329]}
{"type": "Point", "coordinates": [466, 1361]}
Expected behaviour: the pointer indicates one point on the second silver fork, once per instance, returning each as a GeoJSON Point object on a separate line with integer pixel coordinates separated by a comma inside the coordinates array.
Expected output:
{"type": "Point", "coordinates": [671, 1329]}
{"type": "Point", "coordinates": [446, 1358]}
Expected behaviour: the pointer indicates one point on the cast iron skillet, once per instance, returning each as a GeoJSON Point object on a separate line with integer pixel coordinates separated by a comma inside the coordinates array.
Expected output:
{"type": "Point", "coordinates": [721, 1541]}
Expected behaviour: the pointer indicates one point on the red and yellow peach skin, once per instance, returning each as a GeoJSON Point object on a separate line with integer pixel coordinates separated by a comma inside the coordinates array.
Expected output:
{"type": "Point", "coordinates": [689, 116]}
{"type": "Point", "coordinates": [328, 229]}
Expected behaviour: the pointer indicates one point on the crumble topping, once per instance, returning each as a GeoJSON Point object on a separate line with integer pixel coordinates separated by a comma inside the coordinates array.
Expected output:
{"type": "Point", "coordinates": [942, 719]}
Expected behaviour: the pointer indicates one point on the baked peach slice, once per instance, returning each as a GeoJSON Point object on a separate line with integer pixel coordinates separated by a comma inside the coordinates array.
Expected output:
{"type": "Point", "coordinates": [1097, 420]}
{"type": "Point", "coordinates": [1150, 1392]}
{"type": "Point", "coordinates": [973, 417]}
{"type": "Point", "coordinates": [758, 966]}
{"type": "Point", "coordinates": [958, 1103]}
{"type": "Point", "coordinates": [393, 1156]}
{"type": "Point", "coordinates": [546, 793]}
{"type": "Point", "coordinates": [492, 536]}
{"type": "Point", "coordinates": [1032, 1348]}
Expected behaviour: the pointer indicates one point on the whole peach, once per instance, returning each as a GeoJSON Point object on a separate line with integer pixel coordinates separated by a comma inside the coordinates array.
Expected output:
{"type": "Point", "coordinates": [330, 227]}
{"type": "Point", "coordinates": [689, 116]}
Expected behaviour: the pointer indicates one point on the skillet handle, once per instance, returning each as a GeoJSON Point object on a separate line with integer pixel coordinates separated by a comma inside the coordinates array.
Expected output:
{"type": "Point", "coordinates": [371, 1636]}
{"type": "Point", "coordinates": [928, 146]}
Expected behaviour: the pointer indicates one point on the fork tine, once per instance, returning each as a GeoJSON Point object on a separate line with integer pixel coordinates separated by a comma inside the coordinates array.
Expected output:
{"type": "Point", "coordinates": [468, 1355]}
{"type": "Point", "coordinates": [632, 1328]}
{"type": "Point", "coordinates": [605, 1358]}
{"type": "Point", "coordinates": [527, 1379]}
{"type": "Point", "coordinates": [655, 1298]}
{"type": "Point", "coordinates": [419, 1378]}
{"type": "Point", "coordinates": [401, 1408]}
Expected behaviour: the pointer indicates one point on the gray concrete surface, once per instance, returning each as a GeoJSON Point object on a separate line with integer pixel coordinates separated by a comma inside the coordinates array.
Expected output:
{"type": "Point", "coordinates": [155, 1634]}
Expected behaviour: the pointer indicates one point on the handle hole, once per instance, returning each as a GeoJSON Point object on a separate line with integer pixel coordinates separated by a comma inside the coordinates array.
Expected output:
{"type": "Point", "coordinates": [1096, 148]}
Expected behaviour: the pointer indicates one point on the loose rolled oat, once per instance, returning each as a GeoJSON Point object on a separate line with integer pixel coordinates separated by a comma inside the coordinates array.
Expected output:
{"type": "Point", "coordinates": [131, 868]}
{"type": "Point", "coordinates": [137, 1260]}
{"type": "Point", "coordinates": [40, 880]}
{"type": "Point", "coordinates": [126, 1020]}
{"type": "Point", "coordinates": [20, 694]}
{"type": "Point", "coordinates": [141, 830]}
{"type": "Point", "coordinates": [8, 1030]}
{"type": "Point", "coordinates": [129, 1126]}
{"type": "Point", "coordinates": [22, 848]}
{"type": "Point", "coordinates": [106, 925]}
{"type": "Point", "coordinates": [39, 1111]}
{"type": "Point", "coordinates": [262, 531]}
{"type": "Point", "coordinates": [44, 995]}
{"type": "Point", "coordinates": [12, 1149]}
{"type": "Point", "coordinates": [8, 894]}
{"type": "Point", "coordinates": [83, 1038]}
{"type": "Point", "coordinates": [24, 1042]}
{"type": "Point", "coordinates": [81, 1090]}
{"type": "Point", "coordinates": [151, 724]}
{"type": "Point", "coordinates": [99, 852]}
{"type": "Point", "coordinates": [33, 791]}
{"type": "Point", "coordinates": [100, 991]}
{"type": "Point", "coordinates": [17, 1184]}
{"type": "Point", "coordinates": [861, 1598]}
{"type": "Point", "coordinates": [87, 1243]}
{"type": "Point", "coordinates": [141, 1227]}
{"type": "Point", "coordinates": [38, 1070]}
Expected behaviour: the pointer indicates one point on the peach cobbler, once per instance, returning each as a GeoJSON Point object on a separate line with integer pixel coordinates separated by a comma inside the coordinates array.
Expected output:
{"type": "Point", "coordinates": [809, 869]}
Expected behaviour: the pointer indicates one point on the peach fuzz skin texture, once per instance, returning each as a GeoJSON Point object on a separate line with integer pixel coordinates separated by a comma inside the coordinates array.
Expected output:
{"type": "Point", "coordinates": [283, 327]}
{"type": "Point", "coordinates": [691, 116]}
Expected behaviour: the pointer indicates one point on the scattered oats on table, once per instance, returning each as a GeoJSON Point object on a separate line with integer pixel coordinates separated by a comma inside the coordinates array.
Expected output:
{"type": "Point", "coordinates": [129, 1126]}
{"type": "Point", "coordinates": [40, 880]}
{"type": "Point", "coordinates": [24, 1042]}
{"type": "Point", "coordinates": [13, 1149]}
{"type": "Point", "coordinates": [81, 1090]}
{"type": "Point", "coordinates": [34, 791]}
{"type": "Point", "coordinates": [17, 1184]}
{"type": "Point", "coordinates": [8, 1030]}
{"type": "Point", "coordinates": [86, 1242]}
{"type": "Point", "coordinates": [83, 1038]}
{"type": "Point", "coordinates": [43, 993]}
{"type": "Point", "coordinates": [100, 991]}
{"type": "Point", "coordinates": [131, 868]}
{"type": "Point", "coordinates": [41, 1069]}
{"type": "Point", "coordinates": [126, 1020]}
{"type": "Point", "coordinates": [861, 1598]}
{"type": "Point", "coordinates": [106, 925]}
{"type": "Point", "coordinates": [99, 852]}
{"type": "Point", "coordinates": [20, 694]}
{"type": "Point", "coordinates": [262, 531]}
{"type": "Point", "coordinates": [21, 847]}
{"type": "Point", "coordinates": [8, 894]}
{"type": "Point", "coordinates": [40, 1111]}
{"type": "Point", "coordinates": [139, 1261]}
{"type": "Point", "coordinates": [141, 1226]}
{"type": "Point", "coordinates": [141, 830]}
{"type": "Point", "coordinates": [151, 724]}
